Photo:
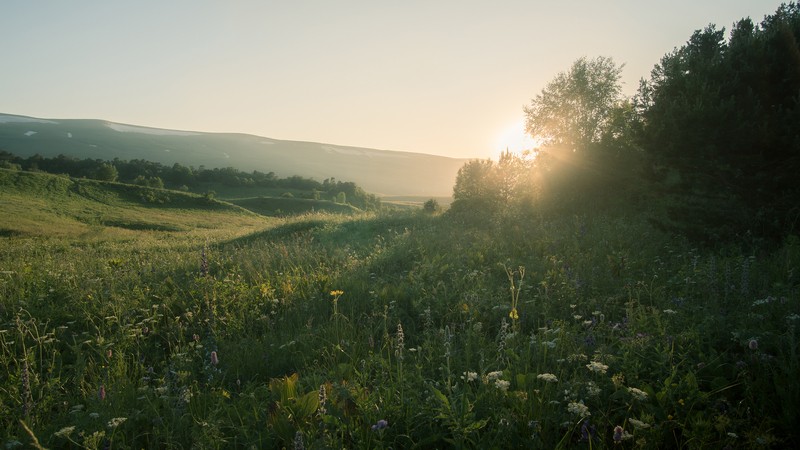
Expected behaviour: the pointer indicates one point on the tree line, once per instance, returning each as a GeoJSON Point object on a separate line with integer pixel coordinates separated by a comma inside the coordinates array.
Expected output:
{"type": "Point", "coordinates": [709, 145]}
{"type": "Point", "coordinates": [188, 178]}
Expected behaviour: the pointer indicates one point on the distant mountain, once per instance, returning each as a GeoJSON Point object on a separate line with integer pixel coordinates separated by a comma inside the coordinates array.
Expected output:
{"type": "Point", "coordinates": [378, 171]}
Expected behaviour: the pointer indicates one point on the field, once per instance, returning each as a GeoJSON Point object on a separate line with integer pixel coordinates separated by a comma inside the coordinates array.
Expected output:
{"type": "Point", "coordinates": [126, 322]}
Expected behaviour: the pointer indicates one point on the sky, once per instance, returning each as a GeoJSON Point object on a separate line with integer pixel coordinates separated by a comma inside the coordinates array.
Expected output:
{"type": "Point", "coordinates": [444, 77]}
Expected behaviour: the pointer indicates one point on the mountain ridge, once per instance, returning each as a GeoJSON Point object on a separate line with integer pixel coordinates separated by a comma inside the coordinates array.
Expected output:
{"type": "Point", "coordinates": [383, 172]}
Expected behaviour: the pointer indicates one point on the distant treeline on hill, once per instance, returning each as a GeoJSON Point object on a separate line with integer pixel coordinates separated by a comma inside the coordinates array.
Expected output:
{"type": "Point", "coordinates": [180, 177]}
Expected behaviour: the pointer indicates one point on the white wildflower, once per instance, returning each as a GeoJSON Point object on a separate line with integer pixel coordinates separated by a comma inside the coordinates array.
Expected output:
{"type": "Point", "coordinates": [670, 311]}
{"type": "Point", "coordinates": [470, 376]}
{"type": "Point", "coordinates": [548, 377]}
{"type": "Point", "coordinates": [64, 432]}
{"type": "Point", "coordinates": [116, 421]}
{"type": "Point", "coordinates": [638, 424]}
{"type": "Point", "coordinates": [503, 385]}
{"type": "Point", "coordinates": [638, 394]}
{"type": "Point", "coordinates": [597, 367]}
{"type": "Point", "coordinates": [491, 376]}
{"type": "Point", "coordinates": [592, 389]}
{"type": "Point", "coordinates": [578, 409]}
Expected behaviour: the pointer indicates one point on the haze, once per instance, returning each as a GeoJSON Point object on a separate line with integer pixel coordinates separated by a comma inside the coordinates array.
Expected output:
{"type": "Point", "coordinates": [445, 77]}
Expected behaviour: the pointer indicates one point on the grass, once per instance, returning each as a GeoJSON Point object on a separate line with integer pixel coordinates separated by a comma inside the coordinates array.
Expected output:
{"type": "Point", "coordinates": [400, 330]}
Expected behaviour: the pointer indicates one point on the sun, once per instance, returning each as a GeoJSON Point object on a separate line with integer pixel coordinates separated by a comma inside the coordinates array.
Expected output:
{"type": "Point", "coordinates": [514, 139]}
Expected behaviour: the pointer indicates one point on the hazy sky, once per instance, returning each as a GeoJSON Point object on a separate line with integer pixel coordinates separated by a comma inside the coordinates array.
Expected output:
{"type": "Point", "coordinates": [442, 77]}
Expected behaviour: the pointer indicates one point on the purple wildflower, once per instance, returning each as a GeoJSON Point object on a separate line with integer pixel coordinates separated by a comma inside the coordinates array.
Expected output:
{"type": "Point", "coordinates": [618, 432]}
{"type": "Point", "coordinates": [379, 425]}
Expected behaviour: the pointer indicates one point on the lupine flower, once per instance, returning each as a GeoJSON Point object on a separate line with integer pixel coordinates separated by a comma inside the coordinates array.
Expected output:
{"type": "Point", "coordinates": [400, 342]}
{"type": "Point", "coordinates": [587, 430]}
{"type": "Point", "coordinates": [298, 441]}
{"type": "Point", "coordinates": [379, 425]}
{"type": "Point", "coordinates": [323, 398]}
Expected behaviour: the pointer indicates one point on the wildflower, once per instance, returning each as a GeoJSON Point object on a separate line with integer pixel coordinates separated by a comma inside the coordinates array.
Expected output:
{"type": "Point", "coordinates": [621, 435]}
{"type": "Point", "coordinates": [513, 314]}
{"type": "Point", "coordinates": [214, 358]}
{"type": "Point", "coordinates": [578, 409]}
{"type": "Point", "coordinates": [337, 293]}
{"type": "Point", "coordinates": [491, 376]}
{"type": "Point", "coordinates": [379, 425]}
{"type": "Point", "coordinates": [116, 421]}
{"type": "Point", "coordinates": [102, 392]}
{"type": "Point", "coordinates": [597, 367]}
{"type": "Point", "coordinates": [94, 415]}
{"type": "Point", "coordinates": [638, 424]}
{"type": "Point", "coordinates": [753, 344]}
{"type": "Point", "coordinates": [670, 311]}
{"type": "Point", "coordinates": [27, 398]}
{"type": "Point", "coordinates": [618, 434]}
{"type": "Point", "coordinates": [323, 398]}
{"type": "Point", "coordinates": [638, 394]}
{"type": "Point", "coordinates": [64, 432]}
{"type": "Point", "coordinates": [548, 377]}
{"type": "Point", "coordinates": [469, 376]}
{"type": "Point", "coordinates": [502, 385]}
{"type": "Point", "coordinates": [298, 441]}
{"type": "Point", "coordinates": [587, 431]}
{"type": "Point", "coordinates": [577, 357]}
{"type": "Point", "coordinates": [592, 390]}
{"type": "Point", "coordinates": [733, 435]}
{"type": "Point", "coordinates": [400, 342]}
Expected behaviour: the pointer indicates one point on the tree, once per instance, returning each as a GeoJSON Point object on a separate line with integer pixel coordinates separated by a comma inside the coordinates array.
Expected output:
{"type": "Point", "coordinates": [720, 124]}
{"type": "Point", "coordinates": [573, 110]}
{"type": "Point", "coordinates": [106, 172]}
{"type": "Point", "coordinates": [431, 206]}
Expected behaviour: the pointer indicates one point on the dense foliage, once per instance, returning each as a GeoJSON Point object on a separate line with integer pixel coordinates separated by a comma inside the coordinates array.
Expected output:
{"type": "Point", "coordinates": [721, 128]}
{"type": "Point", "coordinates": [708, 147]}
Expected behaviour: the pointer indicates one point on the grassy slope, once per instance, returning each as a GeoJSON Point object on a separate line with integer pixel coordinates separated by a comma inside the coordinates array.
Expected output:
{"type": "Point", "coordinates": [46, 205]}
{"type": "Point", "coordinates": [426, 301]}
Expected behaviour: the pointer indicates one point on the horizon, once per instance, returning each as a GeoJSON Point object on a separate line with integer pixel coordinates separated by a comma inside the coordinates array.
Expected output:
{"type": "Point", "coordinates": [451, 84]}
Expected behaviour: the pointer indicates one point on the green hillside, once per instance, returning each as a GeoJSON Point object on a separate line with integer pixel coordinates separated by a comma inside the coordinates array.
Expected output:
{"type": "Point", "coordinates": [377, 171]}
{"type": "Point", "coordinates": [40, 204]}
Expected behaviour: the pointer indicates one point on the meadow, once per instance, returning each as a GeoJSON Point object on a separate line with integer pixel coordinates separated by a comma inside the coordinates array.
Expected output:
{"type": "Point", "coordinates": [399, 329]}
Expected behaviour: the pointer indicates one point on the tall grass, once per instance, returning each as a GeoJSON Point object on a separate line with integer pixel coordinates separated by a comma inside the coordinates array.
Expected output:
{"type": "Point", "coordinates": [398, 330]}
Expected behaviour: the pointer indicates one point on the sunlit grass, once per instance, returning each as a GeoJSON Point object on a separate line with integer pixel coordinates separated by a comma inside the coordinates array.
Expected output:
{"type": "Point", "coordinates": [395, 330]}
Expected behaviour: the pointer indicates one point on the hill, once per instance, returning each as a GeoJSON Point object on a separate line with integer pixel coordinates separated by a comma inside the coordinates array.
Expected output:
{"type": "Point", "coordinates": [378, 171]}
{"type": "Point", "coordinates": [38, 204]}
